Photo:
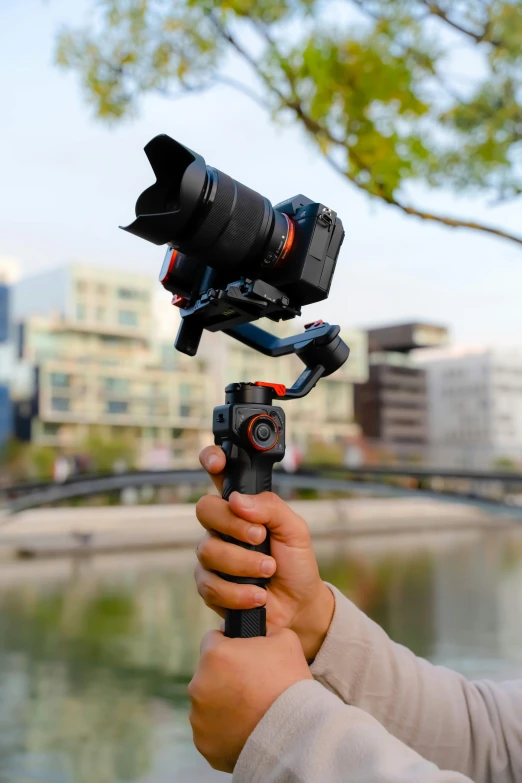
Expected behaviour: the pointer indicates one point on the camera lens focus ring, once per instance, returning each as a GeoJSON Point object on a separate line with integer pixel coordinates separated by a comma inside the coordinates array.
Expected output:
{"type": "Point", "coordinates": [232, 226]}
{"type": "Point", "coordinates": [263, 432]}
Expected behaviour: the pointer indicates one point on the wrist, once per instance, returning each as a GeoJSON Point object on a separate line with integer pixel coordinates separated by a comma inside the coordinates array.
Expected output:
{"type": "Point", "coordinates": [312, 623]}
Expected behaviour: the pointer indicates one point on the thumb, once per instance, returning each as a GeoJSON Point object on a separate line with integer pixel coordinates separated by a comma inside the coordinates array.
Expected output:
{"type": "Point", "coordinates": [268, 509]}
{"type": "Point", "coordinates": [274, 631]}
{"type": "Point", "coordinates": [213, 460]}
{"type": "Point", "coordinates": [211, 640]}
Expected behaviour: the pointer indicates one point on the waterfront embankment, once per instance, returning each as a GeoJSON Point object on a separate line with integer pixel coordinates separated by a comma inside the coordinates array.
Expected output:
{"type": "Point", "coordinates": [63, 532]}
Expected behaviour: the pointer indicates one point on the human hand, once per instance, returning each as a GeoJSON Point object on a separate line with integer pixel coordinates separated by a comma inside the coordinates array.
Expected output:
{"type": "Point", "coordinates": [296, 597]}
{"type": "Point", "coordinates": [236, 682]}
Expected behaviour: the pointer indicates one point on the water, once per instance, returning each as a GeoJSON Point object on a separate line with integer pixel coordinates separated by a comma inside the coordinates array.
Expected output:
{"type": "Point", "coordinates": [95, 655]}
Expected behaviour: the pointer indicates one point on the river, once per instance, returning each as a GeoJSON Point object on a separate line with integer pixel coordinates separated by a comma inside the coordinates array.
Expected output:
{"type": "Point", "coordinates": [95, 655]}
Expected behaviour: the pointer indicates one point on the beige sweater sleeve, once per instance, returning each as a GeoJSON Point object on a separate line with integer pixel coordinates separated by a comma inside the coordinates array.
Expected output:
{"type": "Point", "coordinates": [474, 728]}
{"type": "Point", "coordinates": [310, 736]}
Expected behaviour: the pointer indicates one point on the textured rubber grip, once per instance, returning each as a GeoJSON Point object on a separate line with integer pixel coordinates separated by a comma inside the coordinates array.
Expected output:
{"type": "Point", "coordinates": [248, 472]}
{"type": "Point", "coordinates": [244, 624]}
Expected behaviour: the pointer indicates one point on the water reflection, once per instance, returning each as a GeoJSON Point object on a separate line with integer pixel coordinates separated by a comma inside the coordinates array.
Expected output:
{"type": "Point", "coordinates": [94, 661]}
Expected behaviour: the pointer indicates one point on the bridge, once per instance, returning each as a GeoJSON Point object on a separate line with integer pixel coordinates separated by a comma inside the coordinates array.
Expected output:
{"type": "Point", "coordinates": [495, 489]}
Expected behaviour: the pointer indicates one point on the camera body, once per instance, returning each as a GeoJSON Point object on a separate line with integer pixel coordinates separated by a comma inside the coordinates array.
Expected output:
{"type": "Point", "coordinates": [232, 257]}
{"type": "Point", "coordinates": [278, 293]}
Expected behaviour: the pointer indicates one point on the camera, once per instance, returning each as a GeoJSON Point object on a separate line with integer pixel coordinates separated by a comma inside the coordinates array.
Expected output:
{"type": "Point", "coordinates": [232, 257]}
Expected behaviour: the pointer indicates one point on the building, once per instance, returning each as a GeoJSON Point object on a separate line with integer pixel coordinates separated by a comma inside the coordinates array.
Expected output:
{"type": "Point", "coordinates": [96, 355]}
{"type": "Point", "coordinates": [8, 275]}
{"type": "Point", "coordinates": [403, 338]}
{"type": "Point", "coordinates": [86, 336]}
{"type": "Point", "coordinates": [326, 415]}
{"type": "Point", "coordinates": [392, 407]}
{"type": "Point", "coordinates": [475, 408]}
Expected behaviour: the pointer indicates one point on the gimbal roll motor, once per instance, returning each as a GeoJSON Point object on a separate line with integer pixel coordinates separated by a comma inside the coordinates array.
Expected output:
{"type": "Point", "coordinates": [231, 259]}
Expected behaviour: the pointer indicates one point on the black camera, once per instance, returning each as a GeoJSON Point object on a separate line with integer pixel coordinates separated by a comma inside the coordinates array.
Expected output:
{"type": "Point", "coordinates": [232, 256]}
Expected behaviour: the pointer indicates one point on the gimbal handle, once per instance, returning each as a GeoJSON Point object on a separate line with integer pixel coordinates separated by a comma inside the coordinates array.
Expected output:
{"type": "Point", "coordinates": [251, 432]}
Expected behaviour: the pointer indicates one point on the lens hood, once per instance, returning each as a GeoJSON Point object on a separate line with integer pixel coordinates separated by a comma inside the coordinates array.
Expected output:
{"type": "Point", "coordinates": [164, 209]}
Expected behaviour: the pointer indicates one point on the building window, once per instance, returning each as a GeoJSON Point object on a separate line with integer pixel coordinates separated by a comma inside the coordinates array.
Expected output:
{"type": "Point", "coordinates": [127, 318]}
{"type": "Point", "coordinates": [185, 391]}
{"type": "Point", "coordinates": [60, 404]}
{"type": "Point", "coordinates": [50, 428]}
{"type": "Point", "coordinates": [117, 406]}
{"type": "Point", "coordinates": [119, 385]}
{"type": "Point", "coordinates": [128, 294]}
{"type": "Point", "coordinates": [184, 411]}
{"type": "Point", "coordinates": [81, 312]}
{"type": "Point", "coordinates": [60, 379]}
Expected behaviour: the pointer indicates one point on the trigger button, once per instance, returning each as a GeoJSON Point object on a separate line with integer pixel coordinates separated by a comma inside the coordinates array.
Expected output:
{"type": "Point", "coordinates": [230, 450]}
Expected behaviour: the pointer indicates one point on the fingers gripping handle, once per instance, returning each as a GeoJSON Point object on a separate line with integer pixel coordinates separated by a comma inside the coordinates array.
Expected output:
{"type": "Point", "coordinates": [251, 432]}
{"type": "Point", "coordinates": [248, 472]}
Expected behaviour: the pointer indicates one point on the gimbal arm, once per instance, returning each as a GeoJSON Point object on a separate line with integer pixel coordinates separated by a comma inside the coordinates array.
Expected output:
{"type": "Point", "coordinates": [319, 347]}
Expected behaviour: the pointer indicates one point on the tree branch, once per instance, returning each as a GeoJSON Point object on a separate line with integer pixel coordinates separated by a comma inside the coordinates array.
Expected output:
{"type": "Point", "coordinates": [456, 223]}
{"type": "Point", "coordinates": [227, 81]}
{"type": "Point", "coordinates": [315, 129]}
{"type": "Point", "coordinates": [444, 220]}
{"type": "Point", "coordinates": [436, 10]}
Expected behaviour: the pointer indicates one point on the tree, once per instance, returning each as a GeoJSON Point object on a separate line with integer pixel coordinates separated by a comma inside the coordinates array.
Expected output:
{"type": "Point", "coordinates": [106, 452]}
{"type": "Point", "coordinates": [374, 83]}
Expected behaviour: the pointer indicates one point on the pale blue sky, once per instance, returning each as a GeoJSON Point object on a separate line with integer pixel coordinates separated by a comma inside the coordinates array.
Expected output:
{"type": "Point", "coordinates": [68, 181]}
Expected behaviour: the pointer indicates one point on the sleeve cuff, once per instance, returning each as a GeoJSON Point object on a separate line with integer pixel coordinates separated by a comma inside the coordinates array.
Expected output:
{"type": "Point", "coordinates": [285, 722]}
{"type": "Point", "coordinates": [342, 662]}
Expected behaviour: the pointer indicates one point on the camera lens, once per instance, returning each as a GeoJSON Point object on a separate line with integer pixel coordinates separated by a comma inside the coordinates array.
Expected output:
{"type": "Point", "coordinates": [203, 212]}
{"type": "Point", "coordinates": [263, 432]}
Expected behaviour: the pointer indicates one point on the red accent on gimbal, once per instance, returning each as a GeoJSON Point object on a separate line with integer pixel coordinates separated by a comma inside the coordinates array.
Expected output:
{"type": "Point", "coordinates": [172, 263]}
{"type": "Point", "coordinates": [279, 388]}
{"type": "Point", "coordinates": [312, 324]}
{"type": "Point", "coordinates": [179, 301]}
{"type": "Point", "coordinates": [251, 425]}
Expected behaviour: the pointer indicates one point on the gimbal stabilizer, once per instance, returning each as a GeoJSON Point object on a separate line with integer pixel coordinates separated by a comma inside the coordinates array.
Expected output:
{"type": "Point", "coordinates": [251, 431]}
{"type": "Point", "coordinates": [231, 259]}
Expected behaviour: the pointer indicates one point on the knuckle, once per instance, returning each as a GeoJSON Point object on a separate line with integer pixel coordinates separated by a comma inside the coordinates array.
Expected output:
{"type": "Point", "coordinates": [202, 506]}
{"type": "Point", "coordinates": [199, 573]}
{"type": "Point", "coordinates": [202, 549]}
{"type": "Point", "coordinates": [219, 656]}
{"type": "Point", "coordinates": [199, 742]}
{"type": "Point", "coordinates": [210, 593]}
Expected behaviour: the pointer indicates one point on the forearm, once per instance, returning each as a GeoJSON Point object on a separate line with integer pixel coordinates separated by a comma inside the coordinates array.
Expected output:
{"type": "Point", "coordinates": [310, 735]}
{"type": "Point", "coordinates": [472, 728]}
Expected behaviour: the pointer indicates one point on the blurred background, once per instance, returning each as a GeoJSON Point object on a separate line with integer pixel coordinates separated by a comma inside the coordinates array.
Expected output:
{"type": "Point", "coordinates": [406, 118]}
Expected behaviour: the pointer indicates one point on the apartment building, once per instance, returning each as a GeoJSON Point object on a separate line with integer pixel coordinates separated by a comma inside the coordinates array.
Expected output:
{"type": "Point", "coordinates": [88, 336]}
{"type": "Point", "coordinates": [475, 408]}
{"type": "Point", "coordinates": [96, 347]}
{"type": "Point", "coordinates": [392, 407]}
{"type": "Point", "coordinates": [8, 275]}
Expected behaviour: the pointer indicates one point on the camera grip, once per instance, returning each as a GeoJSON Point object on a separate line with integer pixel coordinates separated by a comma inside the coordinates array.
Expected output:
{"type": "Point", "coordinates": [248, 472]}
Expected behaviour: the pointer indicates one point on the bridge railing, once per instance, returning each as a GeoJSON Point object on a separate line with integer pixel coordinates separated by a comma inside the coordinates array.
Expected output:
{"type": "Point", "coordinates": [365, 479]}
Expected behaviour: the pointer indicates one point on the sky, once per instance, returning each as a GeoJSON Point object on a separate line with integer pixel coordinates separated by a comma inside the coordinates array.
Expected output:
{"type": "Point", "coordinates": [67, 181]}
